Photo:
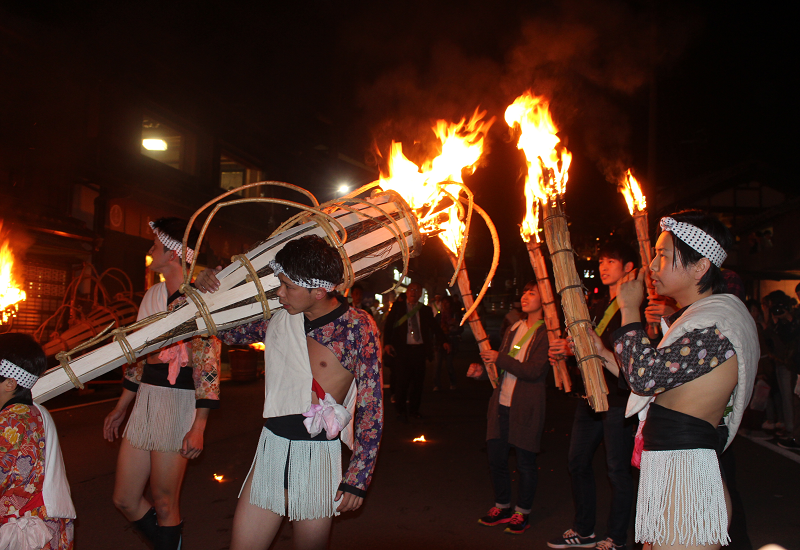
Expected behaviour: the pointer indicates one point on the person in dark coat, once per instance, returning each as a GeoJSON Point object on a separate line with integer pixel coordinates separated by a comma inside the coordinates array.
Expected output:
{"type": "Point", "coordinates": [409, 337]}
{"type": "Point", "coordinates": [516, 412]}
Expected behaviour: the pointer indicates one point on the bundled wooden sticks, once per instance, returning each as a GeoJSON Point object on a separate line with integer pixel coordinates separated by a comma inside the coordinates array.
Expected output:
{"type": "Point", "coordinates": [573, 302]}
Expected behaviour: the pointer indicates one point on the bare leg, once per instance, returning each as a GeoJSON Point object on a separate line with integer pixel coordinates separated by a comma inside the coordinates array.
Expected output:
{"type": "Point", "coordinates": [166, 478]}
{"type": "Point", "coordinates": [133, 471]}
{"type": "Point", "coordinates": [311, 534]}
{"type": "Point", "coordinates": [253, 527]}
{"type": "Point", "coordinates": [707, 547]}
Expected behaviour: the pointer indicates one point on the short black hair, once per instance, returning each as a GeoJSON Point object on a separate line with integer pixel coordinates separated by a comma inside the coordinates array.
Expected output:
{"type": "Point", "coordinates": [530, 285]}
{"type": "Point", "coordinates": [713, 278]}
{"type": "Point", "coordinates": [617, 249]}
{"type": "Point", "coordinates": [175, 228]}
{"type": "Point", "coordinates": [311, 257]}
{"type": "Point", "coordinates": [27, 354]}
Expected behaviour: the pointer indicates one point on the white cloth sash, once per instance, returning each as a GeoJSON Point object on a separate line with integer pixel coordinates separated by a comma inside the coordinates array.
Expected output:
{"type": "Point", "coordinates": [55, 488]}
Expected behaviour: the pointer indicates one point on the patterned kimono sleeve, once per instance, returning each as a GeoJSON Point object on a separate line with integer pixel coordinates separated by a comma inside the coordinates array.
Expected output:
{"type": "Point", "coordinates": [369, 408]}
{"type": "Point", "coordinates": [132, 376]}
{"type": "Point", "coordinates": [249, 333]}
{"type": "Point", "coordinates": [651, 370]}
{"type": "Point", "coordinates": [11, 434]}
{"type": "Point", "coordinates": [205, 371]}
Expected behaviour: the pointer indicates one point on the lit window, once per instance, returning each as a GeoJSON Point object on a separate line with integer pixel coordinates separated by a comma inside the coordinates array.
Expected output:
{"type": "Point", "coordinates": [165, 143]}
{"type": "Point", "coordinates": [234, 173]}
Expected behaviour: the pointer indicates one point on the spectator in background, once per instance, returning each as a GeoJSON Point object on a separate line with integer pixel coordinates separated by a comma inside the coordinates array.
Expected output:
{"type": "Point", "coordinates": [782, 339]}
{"type": "Point", "coordinates": [409, 337]}
{"type": "Point", "coordinates": [512, 317]}
{"type": "Point", "coordinates": [357, 295]}
{"type": "Point", "coordinates": [452, 329]}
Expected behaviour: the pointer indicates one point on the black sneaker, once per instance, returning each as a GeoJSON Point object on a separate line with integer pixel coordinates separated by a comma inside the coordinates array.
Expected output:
{"type": "Point", "coordinates": [609, 544]}
{"type": "Point", "coordinates": [571, 539]}
{"type": "Point", "coordinates": [518, 524]}
{"type": "Point", "coordinates": [789, 443]}
{"type": "Point", "coordinates": [496, 516]}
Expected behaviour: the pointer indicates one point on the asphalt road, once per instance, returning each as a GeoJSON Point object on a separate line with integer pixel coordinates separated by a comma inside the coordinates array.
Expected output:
{"type": "Point", "coordinates": [424, 495]}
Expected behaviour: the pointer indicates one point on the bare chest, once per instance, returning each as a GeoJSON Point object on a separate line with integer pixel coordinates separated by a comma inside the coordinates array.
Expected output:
{"type": "Point", "coordinates": [328, 371]}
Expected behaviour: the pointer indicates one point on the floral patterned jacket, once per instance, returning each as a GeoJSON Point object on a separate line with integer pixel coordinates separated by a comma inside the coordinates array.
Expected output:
{"type": "Point", "coordinates": [352, 335]}
{"type": "Point", "coordinates": [22, 449]}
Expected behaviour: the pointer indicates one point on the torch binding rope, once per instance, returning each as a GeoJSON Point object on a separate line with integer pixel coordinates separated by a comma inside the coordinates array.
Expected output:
{"type": "Point", "coordinates": [64, 357]}
{"type": "Point", "coordinates": [201, 305]}
{"type": "Point", "coordinates": [253, 276]}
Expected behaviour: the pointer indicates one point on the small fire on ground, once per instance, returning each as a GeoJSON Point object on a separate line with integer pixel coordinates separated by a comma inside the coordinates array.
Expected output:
{"type": "Point", "coordinates": [420, 439]}
{"type": "Point", "coordinates": [258, 346]}
{"type": "Point", "coordinates": [219, 477]}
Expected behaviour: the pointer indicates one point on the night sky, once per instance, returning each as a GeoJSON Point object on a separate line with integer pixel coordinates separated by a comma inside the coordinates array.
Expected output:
{"type": "Point", "coordinates": [677, 90]}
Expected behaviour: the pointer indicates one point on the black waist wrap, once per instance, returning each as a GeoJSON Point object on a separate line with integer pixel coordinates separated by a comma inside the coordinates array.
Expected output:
{"type": "Point", "coordinates": [669, 430]}
{"type": "Point", "coordinates": [291, 427]}
{"type": "Point", "coordinates": [155, 374]}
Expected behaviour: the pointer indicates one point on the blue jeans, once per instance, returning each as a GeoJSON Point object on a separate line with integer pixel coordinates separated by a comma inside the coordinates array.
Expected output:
{"type": "Point", "coordinates": [588, 430]}
{"type": "Point", "coordinates": [498, 451]}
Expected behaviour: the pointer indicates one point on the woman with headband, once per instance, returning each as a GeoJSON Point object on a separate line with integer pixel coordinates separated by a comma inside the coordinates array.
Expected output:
{"type": "Point", "coordinates": [691, 389]}
{"type": "Point", "coordinates": [36, 510]}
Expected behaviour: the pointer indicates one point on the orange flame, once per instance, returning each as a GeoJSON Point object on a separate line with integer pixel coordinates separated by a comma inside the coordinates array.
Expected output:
{"type": "Point", "coordinates": [632, 191]}
{"type": "Point", "coordinates": [546, 156]}
{"type": "Point", "coordinates": [219, 477]}
{"type": "Point", "coordinates": [420, 439]}
{"type": "Point", "coordinates": [427, 187]}
{"type": "Point", "coordinates": [11, 294]}
{"type": "Point", "coordinates": [257, 346]}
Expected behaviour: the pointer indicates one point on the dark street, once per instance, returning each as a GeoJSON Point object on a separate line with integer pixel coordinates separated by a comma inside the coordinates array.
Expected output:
{"type": "Point", "coordinates": [430, 494]}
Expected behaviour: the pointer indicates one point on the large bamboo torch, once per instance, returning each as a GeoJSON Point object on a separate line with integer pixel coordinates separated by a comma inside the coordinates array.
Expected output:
{"type": "Point", "coordinates": [551, 321]}
{"type": "Point", "coordinates": [452, 236]}
{"type": "Point", "coordinates": [548, 161]}
{"type": "Point", "coordinates": [637, 206]}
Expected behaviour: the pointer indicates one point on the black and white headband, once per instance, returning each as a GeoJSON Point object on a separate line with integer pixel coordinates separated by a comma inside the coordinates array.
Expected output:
{"type": "Point", "coordinates": [171, 243]}
{"type": "Point", "coordinates": [697, 239]}
{"type": "Point", "coordinates": [277, 269]}
{"type": "Point", "coordinates": [23, 377]}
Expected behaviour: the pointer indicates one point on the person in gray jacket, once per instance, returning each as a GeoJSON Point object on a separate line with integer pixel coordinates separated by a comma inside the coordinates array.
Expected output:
{"type": "Point", "coordinates": [516, 413]}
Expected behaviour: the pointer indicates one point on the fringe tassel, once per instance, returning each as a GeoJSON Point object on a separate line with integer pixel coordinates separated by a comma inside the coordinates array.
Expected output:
{"type": "Point", "coordinates": [160, 419]}
{"type": "Point", "coordinates": [681, 498]}
{"type": "Point", "coordinates": [315, 470]}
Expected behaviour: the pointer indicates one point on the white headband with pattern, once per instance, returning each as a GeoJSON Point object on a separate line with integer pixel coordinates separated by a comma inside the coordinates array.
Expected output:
{"type": "Point", "coordinates": [172, 244]}
{"type": "Point", "coordinates": [23, 377]}
{"type": "Point", "coordinates": [697, 239]}
{"type": "Point", "coordinates": [277, 269]}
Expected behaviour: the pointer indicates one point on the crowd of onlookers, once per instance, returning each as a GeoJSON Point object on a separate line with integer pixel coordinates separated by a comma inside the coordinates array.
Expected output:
{"type": "Point", "coordinates": [777, 316]}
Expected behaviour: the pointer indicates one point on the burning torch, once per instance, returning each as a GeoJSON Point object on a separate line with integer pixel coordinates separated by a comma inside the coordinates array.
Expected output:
{"type": "Point", "coordinates": [548, 162]}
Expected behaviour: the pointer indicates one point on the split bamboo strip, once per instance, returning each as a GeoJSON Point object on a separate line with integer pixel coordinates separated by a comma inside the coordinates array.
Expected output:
{"type": "Point", "coordinates": [573, 302]}
{"type": "Point", "coordinates": [551, 321]}
{"type": "Point", "coordinates": [475, 324]}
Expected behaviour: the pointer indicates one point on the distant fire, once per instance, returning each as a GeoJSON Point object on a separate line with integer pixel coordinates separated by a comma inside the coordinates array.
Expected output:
{"type": "Point", "coordinates": [11, 293]}
{"type": "Point", "coordinates": [257, 346]}
{"type": "Point", "coordinates": [219, 477]}
{"type": "Point", "coordinates": [420, 439]}
{"type": "Point", "coordinates": [632, 191]}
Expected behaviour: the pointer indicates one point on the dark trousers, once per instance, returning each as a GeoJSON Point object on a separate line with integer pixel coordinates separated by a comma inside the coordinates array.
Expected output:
{"type": "Point", "coordinates": [588, 430]}
{"type": "Point", "coordinates": [410, 366]}
{"type": "Point", "coordinates": [498, 451]}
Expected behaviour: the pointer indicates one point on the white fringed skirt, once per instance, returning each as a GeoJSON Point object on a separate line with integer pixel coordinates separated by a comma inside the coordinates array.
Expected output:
{"type": "Point", "coordinates": [161, 418]}
{"type": "Point", "coordinates": [681, 499]}
{"type": "Point", "coordinates": [296, 478]}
